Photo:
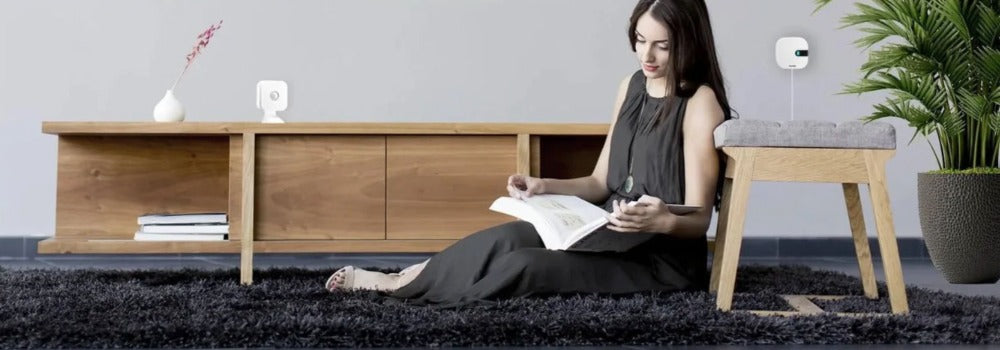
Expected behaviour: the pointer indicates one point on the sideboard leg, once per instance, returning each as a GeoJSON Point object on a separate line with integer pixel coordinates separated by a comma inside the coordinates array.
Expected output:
{"type": "Point", "coordinates": [524, 154]}
{"type": "Point", "coordinates": [246, 220]}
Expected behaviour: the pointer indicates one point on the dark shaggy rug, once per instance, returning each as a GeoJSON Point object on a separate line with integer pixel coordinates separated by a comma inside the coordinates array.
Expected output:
{"type": "Point", "coordinates": [288, 307]}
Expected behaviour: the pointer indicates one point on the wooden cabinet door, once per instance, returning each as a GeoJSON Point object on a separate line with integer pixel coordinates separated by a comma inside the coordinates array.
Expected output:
{"type": "Point", "coordinates": [441, 187]}
{"type": "Point", "coordinates": [320, 187]}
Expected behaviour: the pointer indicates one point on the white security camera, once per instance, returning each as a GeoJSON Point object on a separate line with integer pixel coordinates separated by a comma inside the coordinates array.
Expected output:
{"type": "Point", "coordinates": [791, 53]}
{"type": "Point", "coordinates": [272, 97]}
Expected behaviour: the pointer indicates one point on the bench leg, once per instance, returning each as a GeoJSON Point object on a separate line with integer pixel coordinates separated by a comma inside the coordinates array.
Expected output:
{"type": "Point", "coordinates": [734, 228]}
{"type": "Point", "coordinates": [863, 252]}
{"type": "Point", "coordinates": [875, 162]}
{"type": "Point", "coordinates": [720, 235]}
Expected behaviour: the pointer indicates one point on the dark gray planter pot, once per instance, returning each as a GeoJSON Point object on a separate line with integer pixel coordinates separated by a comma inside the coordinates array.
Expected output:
{"type": "Point", "coordinates": [960, 220]}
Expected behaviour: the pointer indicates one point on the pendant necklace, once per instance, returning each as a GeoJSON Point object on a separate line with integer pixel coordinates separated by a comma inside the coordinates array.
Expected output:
{"type": "Point", "coordinates": [629, 180]}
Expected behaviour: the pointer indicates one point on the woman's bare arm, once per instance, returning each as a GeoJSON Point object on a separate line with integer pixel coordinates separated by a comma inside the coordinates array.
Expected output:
{"type": "Point", "coordinates": [701, 162]}
{"type": "Point", "coordinates": [592, 188]}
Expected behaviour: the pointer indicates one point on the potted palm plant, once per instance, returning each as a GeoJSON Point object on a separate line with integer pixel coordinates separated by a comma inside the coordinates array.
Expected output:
{"type": "Point", "coordinates": [940, 62]}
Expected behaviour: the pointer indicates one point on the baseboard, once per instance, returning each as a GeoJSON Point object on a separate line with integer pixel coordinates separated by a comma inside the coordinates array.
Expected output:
{"type": "Point", "coordinates": [753, 247]}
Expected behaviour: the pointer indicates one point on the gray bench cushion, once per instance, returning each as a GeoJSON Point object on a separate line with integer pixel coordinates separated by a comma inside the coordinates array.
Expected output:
{"type": "Point", "coordinates": [805, 133]}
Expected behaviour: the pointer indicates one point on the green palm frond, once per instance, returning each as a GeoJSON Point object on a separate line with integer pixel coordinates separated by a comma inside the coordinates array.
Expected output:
{"type": "Point", "coordinates": [820, 4]}
{"type": "Point", "coordinates": [940, 62]}
{"type": "Point", "coordinates": [989, 24]}
{"type": "Point", "coordinates": [987, 60]}
{"type": "Point", "coordinates": [891, 56]}
{"type": "Point", "coordinates": [957, 12]}
{"type": "Point", "coordinates": [906, 86]}
{"type": "Point", "coordinates": [995, 122]}
{"type": "Point", "coordinates": [977, 107]}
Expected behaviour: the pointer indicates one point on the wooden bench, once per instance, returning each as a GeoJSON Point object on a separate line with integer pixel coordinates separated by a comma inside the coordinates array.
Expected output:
{"type": "Point", "coordinates": [849, 153]}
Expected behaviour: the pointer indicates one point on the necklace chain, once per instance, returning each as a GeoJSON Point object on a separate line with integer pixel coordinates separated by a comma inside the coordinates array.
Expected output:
{"type": "Point", "coordinates": [642, 109]}
{"type": "Point", "coordinates": [630, 180]}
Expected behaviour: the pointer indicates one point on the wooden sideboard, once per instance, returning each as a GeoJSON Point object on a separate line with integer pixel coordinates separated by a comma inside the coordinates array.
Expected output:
{"type": "Point", "coordinates": [300, 187]}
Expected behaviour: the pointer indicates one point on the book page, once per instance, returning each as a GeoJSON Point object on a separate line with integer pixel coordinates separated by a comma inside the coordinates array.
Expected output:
{"type": "Point", "coordinates": [568, 214]}
{"type": "Point", "coordinates": [521, 210]}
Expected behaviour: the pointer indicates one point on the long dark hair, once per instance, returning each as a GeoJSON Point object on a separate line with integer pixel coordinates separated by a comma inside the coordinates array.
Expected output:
{"type": "Point", "coordinates": [693, 61]}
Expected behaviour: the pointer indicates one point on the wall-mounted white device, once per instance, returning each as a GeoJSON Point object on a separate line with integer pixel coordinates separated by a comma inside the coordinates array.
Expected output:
{"type": "Point", "coordinates": [792, 53]}
{"type": "Point", "coordinates": [272, 97]}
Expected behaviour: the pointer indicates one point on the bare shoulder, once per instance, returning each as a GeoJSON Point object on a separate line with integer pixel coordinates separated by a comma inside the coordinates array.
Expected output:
{"type": "Point", "coordinates": [703, 110]}
{"type": "Point", "coordinates": [620, 99]}
{"type": "Point", "coordinates": [623, 86]}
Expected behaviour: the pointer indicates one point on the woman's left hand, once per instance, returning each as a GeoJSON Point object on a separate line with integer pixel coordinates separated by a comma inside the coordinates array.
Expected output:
{"type": "Point", "coordinates": [648, 214]}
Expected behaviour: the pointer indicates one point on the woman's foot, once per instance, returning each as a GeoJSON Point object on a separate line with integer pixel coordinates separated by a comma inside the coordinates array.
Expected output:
{"type": "Point", "coordinates": [351, 278]}
{"type": "Point", "coordinates": [408, 274]}
{"type": "Point", "coordinates": [341, 279]}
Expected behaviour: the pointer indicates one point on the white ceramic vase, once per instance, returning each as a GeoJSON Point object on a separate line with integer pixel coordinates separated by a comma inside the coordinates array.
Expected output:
{"type": "Point", "coordinates": [169, 109]}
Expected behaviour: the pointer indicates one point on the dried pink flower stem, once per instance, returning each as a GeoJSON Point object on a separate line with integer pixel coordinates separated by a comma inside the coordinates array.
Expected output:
{"type": "Point", "coordinates": [202, 42]}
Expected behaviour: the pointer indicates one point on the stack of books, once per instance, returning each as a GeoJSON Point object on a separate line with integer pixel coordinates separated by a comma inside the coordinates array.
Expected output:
{"type": "Point", "coordinates": [183, 227]}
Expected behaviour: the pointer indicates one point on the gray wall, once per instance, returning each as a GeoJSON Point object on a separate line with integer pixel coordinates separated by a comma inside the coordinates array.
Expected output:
{"type": "Point", "coordinates": [407, 61]}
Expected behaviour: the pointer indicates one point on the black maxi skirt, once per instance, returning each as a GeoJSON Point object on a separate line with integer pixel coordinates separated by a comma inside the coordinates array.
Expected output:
{"type": "Point", "coordinates": [510, 260]}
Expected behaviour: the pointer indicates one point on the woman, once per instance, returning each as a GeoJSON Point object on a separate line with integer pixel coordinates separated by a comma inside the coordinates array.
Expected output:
{"type": "Point", "coordinates": [659, 150]}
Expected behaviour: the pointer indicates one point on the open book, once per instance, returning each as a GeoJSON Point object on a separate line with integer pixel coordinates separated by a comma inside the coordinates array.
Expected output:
{"type": "Point", "coordinates": [571, 223]}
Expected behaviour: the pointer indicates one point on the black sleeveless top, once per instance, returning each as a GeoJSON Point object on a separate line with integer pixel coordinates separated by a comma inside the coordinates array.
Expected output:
{"type": "Point", "coordinates": [656, 147]}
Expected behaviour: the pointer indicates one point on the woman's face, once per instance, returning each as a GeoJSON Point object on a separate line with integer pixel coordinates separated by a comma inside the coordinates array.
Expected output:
{"type": "Point", "coordinates": [652, 46]}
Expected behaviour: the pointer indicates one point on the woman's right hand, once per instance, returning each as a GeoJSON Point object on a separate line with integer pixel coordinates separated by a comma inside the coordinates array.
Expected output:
{"type": "Point", "coordinates": [523, 186]}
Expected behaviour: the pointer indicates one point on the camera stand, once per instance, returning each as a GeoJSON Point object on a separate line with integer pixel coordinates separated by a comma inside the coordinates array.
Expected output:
{"type": "Point", "coordinates": [272, 117]}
